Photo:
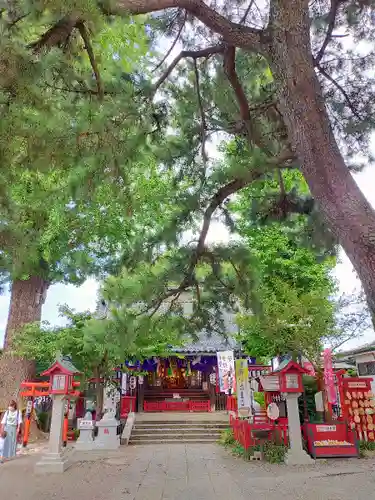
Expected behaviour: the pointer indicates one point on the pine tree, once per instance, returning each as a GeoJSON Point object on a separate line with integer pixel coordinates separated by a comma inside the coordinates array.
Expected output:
{"type": "Point", "coordinates": [69, 157]}
{"type": "Point", "coordinates": [323, 93]}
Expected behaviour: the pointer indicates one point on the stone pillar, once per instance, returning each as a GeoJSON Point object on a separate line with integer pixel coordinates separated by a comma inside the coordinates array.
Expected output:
{"type": "Point", "coordinates": [85, 441]}
{"type": "Point", "coordinates": [54, 461]}
{"type": "Point", "coordinates": [296, 455]}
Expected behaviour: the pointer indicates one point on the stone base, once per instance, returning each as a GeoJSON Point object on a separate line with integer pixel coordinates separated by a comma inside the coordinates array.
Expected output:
{"type": "Point", "coordinates": [85, 446]}
{"type": "Point", "coordinates": [107, 438]}
{"type": "Point", "coordinates": [52, 463]}
{"type": "Point", "coordinates": [299, 457]}
{"type": "Point", "coordinates": [107, 445]}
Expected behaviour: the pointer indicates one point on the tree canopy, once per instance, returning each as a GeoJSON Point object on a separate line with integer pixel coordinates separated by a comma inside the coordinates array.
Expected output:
{"type": "Point", "coordinates": [111, 139]}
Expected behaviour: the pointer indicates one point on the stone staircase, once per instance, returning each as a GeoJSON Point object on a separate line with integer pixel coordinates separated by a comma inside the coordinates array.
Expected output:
{"type": "Point", "coordinates": [177, 431]}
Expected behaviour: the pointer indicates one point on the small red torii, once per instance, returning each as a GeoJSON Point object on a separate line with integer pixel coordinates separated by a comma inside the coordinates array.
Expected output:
{"type": "Point", "coordinates": [32, 390]}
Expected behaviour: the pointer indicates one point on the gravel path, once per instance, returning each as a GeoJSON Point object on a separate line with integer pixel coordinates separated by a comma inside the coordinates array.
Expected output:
{"type": "Point", "coordinates": [186, 472]}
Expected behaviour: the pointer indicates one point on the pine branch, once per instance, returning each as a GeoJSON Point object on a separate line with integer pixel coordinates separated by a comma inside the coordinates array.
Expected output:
{"type": "Point", "coordinates": [221, 195]}
{"type": "Point", "coordinates": [86, 38]}
{"type": "Point", "coordinates": [340, 89]}
{"type": "Point", "coordinates": [173, 44]}
{"type": "Point", "coordinates": [244, 17]}
{"type": "Point", "coordinates": [230, 71]}
{"type": "Point", "coordinates": [194, 54]}
{"type": "Point", "coordinates": [15, 21]}
{"type": "Point", "coordinates": [331, 26]}
{"type": "Point", "coordinates": [74, 90]}
{"type": "Point", "coordinates": [233, 187]}
{"type": "Point", "coordinates": [233, 33]}
{"type": "Point", "coordinates": [203, 116]}
{"type": "Point", "coordinates": [57, 34]}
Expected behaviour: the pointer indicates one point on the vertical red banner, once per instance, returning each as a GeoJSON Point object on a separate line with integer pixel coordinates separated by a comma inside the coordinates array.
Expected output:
{"type": "Point", "coordinates": [329, 379]}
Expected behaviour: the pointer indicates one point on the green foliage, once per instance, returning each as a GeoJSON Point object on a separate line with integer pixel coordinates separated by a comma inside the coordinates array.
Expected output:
{"type": "Point", "coordinates": [352, 372]}
{"type": "Point", "coordinates": [103, 178]}
{"type": "Point", "coordinates": [295, 312]}
{"type": "Point", "coordinates": [366, 449]}
{"type": "Point", "coordinates": [259, 398]}
{"type": "Point", "coordinates": [227, 438]}
{"type": "Point", "coordinates": [43, 420]}
{"type": "Point", "coordinates": [274, 453]}
{"type": "Point", "coordinates": [68, 201]}
{"type": "Point", "coordinates": [96, 346]}
{"type": "Point", "coordinates": [238, 450]}
{"type": "Point", "coordinates": [310, 386]}
{"type": "Point", "coordinates": [367, 445]}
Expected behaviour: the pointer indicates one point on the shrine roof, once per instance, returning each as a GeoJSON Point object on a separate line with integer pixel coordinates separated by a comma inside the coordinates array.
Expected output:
{"type": "Point", "coordinates": [209, 343]}
{"type": "Point", "coordinates": [65, 363]}
{"type": "Point", "coordinates": [365, 348]}
{"type": "Point", "coordinates": [287, 365]}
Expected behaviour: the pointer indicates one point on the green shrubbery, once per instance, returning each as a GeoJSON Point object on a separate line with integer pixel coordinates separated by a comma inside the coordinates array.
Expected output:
{"type": "Point", "coordinates": [273, 452]}
{"type": "Point", "coordinates": [227, 438]}
{"type": "Point", "coordinates": [366, 446]}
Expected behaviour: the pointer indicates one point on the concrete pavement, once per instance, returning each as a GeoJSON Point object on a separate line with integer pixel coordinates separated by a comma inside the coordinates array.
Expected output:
{"type": "Point", "coordinates": [186, 472]}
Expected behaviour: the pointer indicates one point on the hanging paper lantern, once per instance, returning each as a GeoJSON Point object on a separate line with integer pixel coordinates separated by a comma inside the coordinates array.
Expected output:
{"type": "Point", "coordinates": [132, 382]}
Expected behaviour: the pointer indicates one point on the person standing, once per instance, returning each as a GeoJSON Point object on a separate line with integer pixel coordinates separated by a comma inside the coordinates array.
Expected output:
{"type": "Point", "coordinates": [11, 426]}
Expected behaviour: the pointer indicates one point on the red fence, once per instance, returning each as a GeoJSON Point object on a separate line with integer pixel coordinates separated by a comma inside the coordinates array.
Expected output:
{"type": "Point", "coordinates": [245, 433]}
{"type": "Point", "coordinates": [183, 406]}
{"type": "Point", "coordinates": [232, 404]}
{"type": "Point", "coordinates": [127, 405]}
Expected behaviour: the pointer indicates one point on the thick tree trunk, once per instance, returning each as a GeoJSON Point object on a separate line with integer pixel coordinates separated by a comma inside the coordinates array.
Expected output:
{"type": "Point", "coordinates": [348, 213]}
{"type": "Point", "coordinates": [26, 303]}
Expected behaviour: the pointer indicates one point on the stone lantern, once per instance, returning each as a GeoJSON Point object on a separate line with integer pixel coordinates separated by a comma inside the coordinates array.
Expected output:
{"type": "Point", "coordinates": [287, 380]}
{"type": "Point", "coordinates": [290, 377]}
{"type": "Point", "coordinates": [61, 374]}
{"type": "Point", "coordinates": [291, 386]}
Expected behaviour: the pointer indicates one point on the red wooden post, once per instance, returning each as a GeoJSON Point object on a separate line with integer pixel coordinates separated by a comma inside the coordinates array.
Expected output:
{"type": "Point", "coordinates": [66, 425]}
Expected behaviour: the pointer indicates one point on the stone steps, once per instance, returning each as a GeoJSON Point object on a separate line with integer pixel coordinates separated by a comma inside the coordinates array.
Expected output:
{"type": "Point", "coordinates": [173, 441]}
{"type": "Point", "coordinates": [176, 431]}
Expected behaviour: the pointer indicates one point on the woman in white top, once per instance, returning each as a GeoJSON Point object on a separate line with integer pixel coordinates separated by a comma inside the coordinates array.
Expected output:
{"type": "Point", "coordinates": [11, 424]}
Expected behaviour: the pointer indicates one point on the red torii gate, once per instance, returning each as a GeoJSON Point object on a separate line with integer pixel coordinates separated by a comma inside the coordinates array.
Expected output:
{"type": "Point", "coordinates": [33, 390]}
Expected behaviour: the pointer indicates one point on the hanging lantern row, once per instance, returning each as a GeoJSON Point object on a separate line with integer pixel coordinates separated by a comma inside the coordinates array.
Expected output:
{"type": "Point", "coordinates": [132, 383]}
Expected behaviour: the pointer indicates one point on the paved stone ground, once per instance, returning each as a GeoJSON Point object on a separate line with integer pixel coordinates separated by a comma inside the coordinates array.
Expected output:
{"type": "Point", "coordinates": [186, 472]}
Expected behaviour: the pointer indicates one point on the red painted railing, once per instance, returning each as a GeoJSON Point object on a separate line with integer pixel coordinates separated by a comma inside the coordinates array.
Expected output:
{"type": "Point", "coordinates": [188, 406]}
{"type": "Point", "coordinates": [232, 404]}
{"type": "Point", "coordinates": [127, 406]}
{"type": "Point", "coordinates": [244, 432]}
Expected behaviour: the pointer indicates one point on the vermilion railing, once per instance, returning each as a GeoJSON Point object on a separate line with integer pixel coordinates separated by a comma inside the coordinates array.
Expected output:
{"type": "Point", "coordinates": [232, 404]}
{"type": "Point", "coordinates": [244, 432]}
{"type": "Point", "coordinates": [183, 406]}
{"type": "Point", "coordinates": [127, 405]}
